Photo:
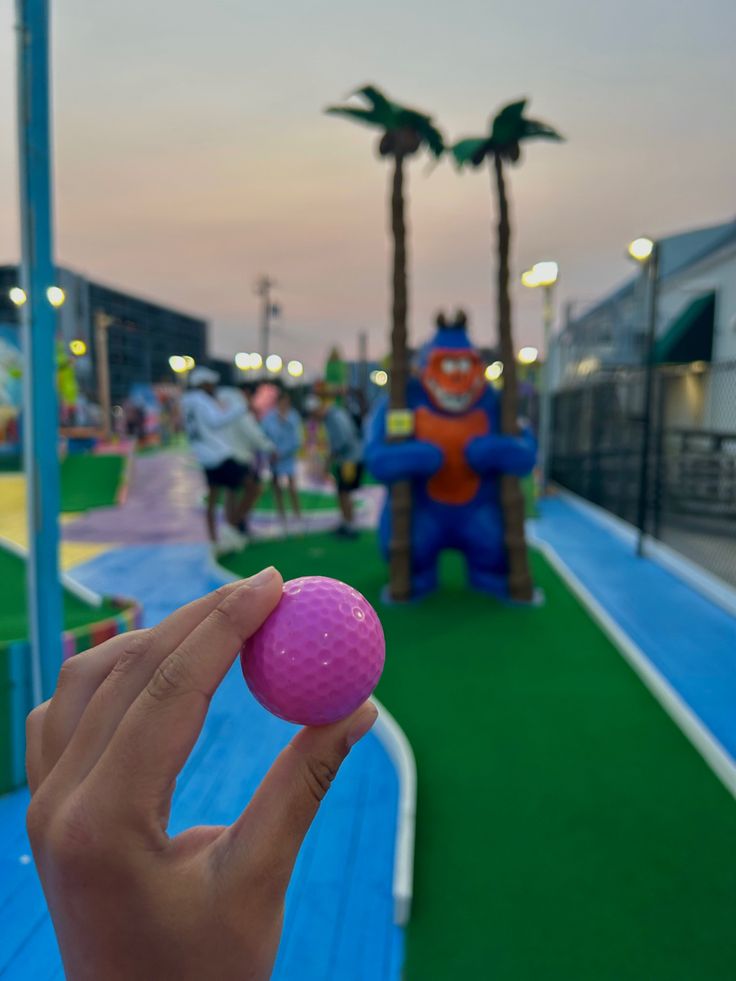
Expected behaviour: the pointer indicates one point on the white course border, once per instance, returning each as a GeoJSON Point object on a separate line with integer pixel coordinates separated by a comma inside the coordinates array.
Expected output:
{"type": "Point", "coordinates": [69, 582]}
{"type": "Point", "coordinates": [693, 575]}
{"type": "Point", "coordinates": [715, 755]}
{"type": "Point", "coordinates": [393, 739]}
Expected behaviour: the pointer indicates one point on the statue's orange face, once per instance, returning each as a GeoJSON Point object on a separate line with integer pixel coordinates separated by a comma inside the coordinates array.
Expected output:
{"type": "Point", "coordinates": [454, 379]}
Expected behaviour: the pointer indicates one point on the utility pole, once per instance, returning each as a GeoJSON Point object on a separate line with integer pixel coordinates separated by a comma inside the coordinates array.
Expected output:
{"type": "Point", "coordinates": [40, 400]}
{"type": "Point", "coordinates": [103, 322]}
{"type": "Point", "coordinates": [363, 364]}
{"type": "Point", "coordinates": [263, 289]}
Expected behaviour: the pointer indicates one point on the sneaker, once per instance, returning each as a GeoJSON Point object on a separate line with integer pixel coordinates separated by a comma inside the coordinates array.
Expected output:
{"type": "Point", "coordinates": [346, 531]}
{"type": "Point", "coordinates": [297, 526]}
{"type": "Point", "coordinates": [229, 539]}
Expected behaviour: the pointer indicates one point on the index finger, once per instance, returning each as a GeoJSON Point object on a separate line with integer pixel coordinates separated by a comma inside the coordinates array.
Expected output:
{"type": "Point", "coordinates": [158, 731]}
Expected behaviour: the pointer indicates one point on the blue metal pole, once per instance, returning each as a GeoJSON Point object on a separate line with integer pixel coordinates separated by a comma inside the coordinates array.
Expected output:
{"type": "Point", "coordinates": [40, 404]}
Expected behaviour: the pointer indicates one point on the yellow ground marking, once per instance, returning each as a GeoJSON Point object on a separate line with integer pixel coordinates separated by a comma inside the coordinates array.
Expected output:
{"type": "Point", "coordinates": [14, 528]}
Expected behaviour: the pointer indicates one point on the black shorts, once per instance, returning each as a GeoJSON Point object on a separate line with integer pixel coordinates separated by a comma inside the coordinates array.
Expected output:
{"type": "Point", "coordinates": [229, 473]}
{"type": "Point", "coordinates": [349, 476]}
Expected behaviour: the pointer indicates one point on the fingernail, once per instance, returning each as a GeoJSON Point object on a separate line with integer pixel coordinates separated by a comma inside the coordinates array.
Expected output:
{"type": "Point", "coordinates": [367, 715]}
{"type": "Point", "coordinates": [261, 578]}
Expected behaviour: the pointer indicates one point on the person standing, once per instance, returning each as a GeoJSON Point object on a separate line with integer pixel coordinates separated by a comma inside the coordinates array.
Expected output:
{"type": "Point", "coordinates": [248, 444]}
{"type": "Point", "coordinates": [283, 426]}
{"type": "Point", "coordinates": [204, 422]}
{"type": "Point", "coordinates": [346, 457]}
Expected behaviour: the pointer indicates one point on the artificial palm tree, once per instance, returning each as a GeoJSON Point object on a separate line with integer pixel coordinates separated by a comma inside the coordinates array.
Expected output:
{"type": "Point", "coordinates": [503, 145]}
{"type": "Point", "coordinates": [404, 132]}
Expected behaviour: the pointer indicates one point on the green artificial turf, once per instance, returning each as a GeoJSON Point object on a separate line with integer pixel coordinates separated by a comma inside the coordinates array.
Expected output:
{"type": "Point", "coordinates": [566, 829]}
{"type": "Point", "coordinates": [13, 619]}
{"type": "Point", "coordinates": [10, 463]}
{"type": "Point", "coordinates": [90, 481]}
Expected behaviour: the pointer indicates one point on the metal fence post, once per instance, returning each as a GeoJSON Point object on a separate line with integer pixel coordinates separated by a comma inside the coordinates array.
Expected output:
{"type": "Point", "coordinates": [652, 268]}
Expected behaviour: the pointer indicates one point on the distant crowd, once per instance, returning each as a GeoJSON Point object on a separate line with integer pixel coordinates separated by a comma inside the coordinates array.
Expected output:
{"type": "Point", "coordinates": [237, 453]}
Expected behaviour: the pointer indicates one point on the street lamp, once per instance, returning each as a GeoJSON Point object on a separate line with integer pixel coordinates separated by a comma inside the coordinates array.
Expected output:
{"type": "Point", "coordinates": [178, 364]}
{"type": "Point", "coordinates": [544, 274]}
{"type": "Point", "coordinates": [494, 371]}
{"type": "Point", "coordinates": [242, 361]}
{"type": "Point", "coordinates": [256, 361]}
{"type": "Point", "coordinates": [274, 364]}
{"type": "Point", "coordinates": [379, 377]}
{"type": "Point", "coordinates": [646, 252]}
{"type": "Point", "coordinates": [295, 369]}
{"type": "Point", "coordinates": [17, 296]}
{"type": "Point", "coordinates": [528, 355]}
{"type": "Point", "coordinates": [55, 295]}
{"type": "Point", "coordinates": [78, 347]}
{"type": "Point", "coordinates": [641, 249]}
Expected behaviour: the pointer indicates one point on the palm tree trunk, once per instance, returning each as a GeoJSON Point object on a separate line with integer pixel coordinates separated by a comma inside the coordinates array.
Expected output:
{"type": "Point", "coordinates": [512, 500]}
{"type": "Point", "coordinates": [400, 546]}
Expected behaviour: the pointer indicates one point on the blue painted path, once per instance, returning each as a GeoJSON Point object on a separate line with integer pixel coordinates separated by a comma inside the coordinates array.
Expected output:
{"type": "Point", "coordinates": [690, 640]}
{"type": "Point", "coordinates": [348, 853]}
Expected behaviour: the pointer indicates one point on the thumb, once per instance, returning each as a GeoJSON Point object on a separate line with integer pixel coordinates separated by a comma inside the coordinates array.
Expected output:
{"type": "Point", "coordinates": [266, 838]}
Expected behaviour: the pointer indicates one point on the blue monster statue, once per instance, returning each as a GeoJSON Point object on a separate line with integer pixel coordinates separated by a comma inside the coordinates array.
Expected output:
{"type": "Point", "coordinates": [454, 462]}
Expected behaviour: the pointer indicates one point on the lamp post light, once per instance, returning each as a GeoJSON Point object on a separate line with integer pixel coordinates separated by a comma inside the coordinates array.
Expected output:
{"type": "Point", "coordinates": [544, 274]}
{"type": "Point", "coordinates": [645, 251]}
{"type": "Point", "coordinates": [56, 296]}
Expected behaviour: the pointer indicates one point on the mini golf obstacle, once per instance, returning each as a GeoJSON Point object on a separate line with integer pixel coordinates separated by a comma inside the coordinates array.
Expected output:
{"type": "Point", "coordinates": [89, 620]}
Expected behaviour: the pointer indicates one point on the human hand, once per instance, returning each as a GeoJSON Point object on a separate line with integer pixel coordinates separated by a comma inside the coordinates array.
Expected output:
{"type": "Point", "coordinates": [127, 901]}
{"type": "Point", "coordinates": [497, 453]}
{"type": "Point", "coordinates": [389, 462]}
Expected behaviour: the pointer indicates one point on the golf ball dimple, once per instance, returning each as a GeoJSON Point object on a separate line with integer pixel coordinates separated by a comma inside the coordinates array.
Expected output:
{"type": "Point", "coordinates": [318, 656]}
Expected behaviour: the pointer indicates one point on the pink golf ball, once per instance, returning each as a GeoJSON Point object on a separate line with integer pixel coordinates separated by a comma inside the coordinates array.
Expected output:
{"type": "Point", "coordinates": [318, 656]}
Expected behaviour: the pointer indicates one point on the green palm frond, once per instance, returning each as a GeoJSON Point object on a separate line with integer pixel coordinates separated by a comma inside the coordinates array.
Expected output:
{"type": "Point", "coordinates": [367, 116]}
{"type": "Point", "coordinates": [510, 127]}
{"type": "Point", "coordinates": [382, 105]}
{"type": "Point", "coordinates": [422, 124]}
{"type": "Point", "coordinates": [471, 150]}
{"type": "Point", "coordinates": [392, 116]}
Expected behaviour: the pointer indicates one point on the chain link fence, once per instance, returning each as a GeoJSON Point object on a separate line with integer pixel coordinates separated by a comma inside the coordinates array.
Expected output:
{"type": "Point", "coordinates": [597, 434]}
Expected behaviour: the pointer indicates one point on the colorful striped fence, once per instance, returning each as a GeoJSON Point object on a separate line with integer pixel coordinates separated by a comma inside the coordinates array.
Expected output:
{"type": "Point", "coordinates": [15, 684]}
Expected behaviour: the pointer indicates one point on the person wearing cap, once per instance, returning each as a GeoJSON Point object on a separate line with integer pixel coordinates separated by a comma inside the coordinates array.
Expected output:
{"type": "Point", "coordinates": [205, 420]}
{"type": "Point", "coordinates": [346, 456]}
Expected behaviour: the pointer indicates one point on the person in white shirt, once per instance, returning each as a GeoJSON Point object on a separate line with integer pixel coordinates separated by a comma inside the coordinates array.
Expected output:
{"type": "Point", "coordinates": [248, 444]}
{"type": "Point", "coordinates": [205, 421]}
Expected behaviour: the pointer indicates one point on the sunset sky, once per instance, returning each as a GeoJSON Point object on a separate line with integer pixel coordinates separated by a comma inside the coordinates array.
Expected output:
{"type": "Point", "coordinates": [192, 154]}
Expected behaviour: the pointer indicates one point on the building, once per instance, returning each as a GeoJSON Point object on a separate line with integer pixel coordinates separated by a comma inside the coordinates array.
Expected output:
{"type": "Point", "coordinates": [670, 466]}
{"type": "Point", "coordinates": [696, 311]}
{"type": "Point", "coordinates": [140, 335]}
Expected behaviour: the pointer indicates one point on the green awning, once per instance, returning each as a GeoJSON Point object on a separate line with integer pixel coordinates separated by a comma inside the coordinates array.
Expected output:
{"type": "Point", "coordinates": [690, 335]}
